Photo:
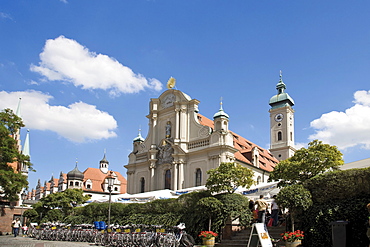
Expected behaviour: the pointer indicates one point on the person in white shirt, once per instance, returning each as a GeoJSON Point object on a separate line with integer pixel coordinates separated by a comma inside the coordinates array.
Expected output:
{"type": "Point", "coordinates": [275, 211]}
{"type": "Point", "coordinates": [16, 224]}
{"type": "Point", "coordinates": [24, 229]}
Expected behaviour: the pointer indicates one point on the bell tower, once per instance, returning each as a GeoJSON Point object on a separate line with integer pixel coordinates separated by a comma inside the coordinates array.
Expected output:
{"type": "Point", "coordinates": [281, 123]}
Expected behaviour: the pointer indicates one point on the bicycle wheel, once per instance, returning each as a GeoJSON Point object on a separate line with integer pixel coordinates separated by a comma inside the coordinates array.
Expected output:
{"type": "Point", "coordinates": [187, 241]}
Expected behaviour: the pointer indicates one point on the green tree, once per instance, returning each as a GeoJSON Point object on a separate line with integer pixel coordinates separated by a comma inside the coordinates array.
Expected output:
{"type": "Point", "coordinates": [210, 207]}
{"type": "Point", "coordinates": [235, 206]}
{"type": "Point", "coordinates": [306, 163]}
{"type": "Point", "coordinates": [64, 201]}
{"type": "Point", "coordinates": [296, 198]}
{"type": "Point", "coordinates": [228, 177]}
{"type": "Point", "coordinates": [11, 181]}
{"type": "Point", "coordinates": [31, 214]}
{"type": "Point", "coordinates": [54, 215]}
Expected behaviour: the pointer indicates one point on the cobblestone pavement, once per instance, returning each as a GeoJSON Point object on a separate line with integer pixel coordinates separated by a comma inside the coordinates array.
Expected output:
{"type": "Point", "coordinates": [11, 241]}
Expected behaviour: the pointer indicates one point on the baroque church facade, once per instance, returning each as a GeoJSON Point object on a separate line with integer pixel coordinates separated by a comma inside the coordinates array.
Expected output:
{"type": "Point", "coordinates": [182, 145]}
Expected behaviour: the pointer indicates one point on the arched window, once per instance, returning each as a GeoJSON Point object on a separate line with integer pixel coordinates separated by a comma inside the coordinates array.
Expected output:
{"type": "Point", "coordinates": [88, 186]}
{"type": "Point", "coordinates": [198, 177]}
{"type": "Point", "coordinates": [142, 185]}
{"type": "Point", "coordinates": [71, 183]}
{"type": "Point", "coordinates": [115, 189]}
{"type": "Point", "coordinates": [259, 180]}
{"type": "Point", "coordinates": [280, 136]}
{"type": "Point", "coordinates": [77, 184]}
{"type": "Point", "coordinates": [218, 125]}
{"type": "Point", "coordinates": [167, 179]}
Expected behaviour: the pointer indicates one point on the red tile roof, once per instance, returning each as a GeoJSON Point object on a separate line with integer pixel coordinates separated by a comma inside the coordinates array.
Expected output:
{"type": "Point", "coordinates": [97, 178]}
{"type": "Point", "coordinates": [56, 181]}
{"type": "Point", "coordinates": [267, 161]}
{"type": "Point", "coordinates": [64, 178]}
{"type": "Point", "coordinates": [47, 187]}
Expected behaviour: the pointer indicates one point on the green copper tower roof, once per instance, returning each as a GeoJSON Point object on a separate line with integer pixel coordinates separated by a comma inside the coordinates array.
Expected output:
{"type": "Point", "coordinates": [26, 145]}
{"type": "Point", "coordinates": [139, 138]}
{"type": "Point", "coordinates": [281, 99]}
{"type": "Point", "coordinates": [220, 113]}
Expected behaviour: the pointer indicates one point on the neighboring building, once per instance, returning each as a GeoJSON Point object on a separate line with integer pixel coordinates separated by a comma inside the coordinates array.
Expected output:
{"type": "Point", "coordinates": [92, 181]}
{"type": "Point", "coordinates": [365, 163]}
{"type": "Point", "coordinates": [12, 210]}
{"type": "Point", "coordinates": [182, 145]}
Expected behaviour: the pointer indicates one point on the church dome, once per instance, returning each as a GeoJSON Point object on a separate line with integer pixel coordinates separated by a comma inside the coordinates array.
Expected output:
{"type": "Point", "coordinates": [281, 98]}
{"type": "Point", "coordinates": [220, 113]}
{"type": "Point", "coordinates": [75, 174]}
{"type": "Point", "coordinates": [104, 160]}
{"type": "Point", "coordinates": [139, 138]}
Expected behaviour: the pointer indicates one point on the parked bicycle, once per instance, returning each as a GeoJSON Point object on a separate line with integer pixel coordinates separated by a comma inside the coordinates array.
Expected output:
{"type": "Point", "coordinates": [115, 235]}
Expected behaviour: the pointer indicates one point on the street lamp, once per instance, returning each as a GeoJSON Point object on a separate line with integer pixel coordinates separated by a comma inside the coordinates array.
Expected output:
{"type": "Point", "coordinates": [23, 197]}
{"type": "Point", "coordinates": [110, 180]}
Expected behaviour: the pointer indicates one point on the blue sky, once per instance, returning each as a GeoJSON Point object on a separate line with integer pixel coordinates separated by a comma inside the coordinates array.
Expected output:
{"type": "Point", "coordinates": [86, 71]}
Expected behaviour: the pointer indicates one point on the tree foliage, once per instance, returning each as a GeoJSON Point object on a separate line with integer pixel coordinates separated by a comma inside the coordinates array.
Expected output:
{"type": "Point", "coordinates": [334, 185]}
{"type": "Point", "coordinates": [210, 207]}
{"type": "Point", "coordinates": [296, 198]}
{"type": "Point", "coordinates": [11, 181]}
{"type": "Point", "coordinates": [31, 214]}
{"type": "Point", "coordinates": [62, 201]}
{"type": "Point", "coordinates": [337, 196]}
{"type": "Point", "coordinates": [228, 177]}
{"type": "Point", "coordinates": [307, 163]}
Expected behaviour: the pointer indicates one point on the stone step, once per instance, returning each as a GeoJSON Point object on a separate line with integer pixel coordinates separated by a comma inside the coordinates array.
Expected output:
{"type": "Point", "coordinates": [241, 238]}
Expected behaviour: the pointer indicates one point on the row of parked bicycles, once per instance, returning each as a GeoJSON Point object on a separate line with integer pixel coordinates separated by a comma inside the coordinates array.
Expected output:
{"type": "Point", "coordinates": [115, 235]}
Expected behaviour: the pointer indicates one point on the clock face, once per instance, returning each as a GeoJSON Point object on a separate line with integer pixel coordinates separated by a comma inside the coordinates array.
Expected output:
{"type": "Point", "coordinates": [279, 117]}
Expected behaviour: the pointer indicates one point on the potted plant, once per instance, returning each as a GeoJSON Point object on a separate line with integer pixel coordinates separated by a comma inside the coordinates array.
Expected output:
{"type": "Point", "coordinates": [208, 237]}
{"type": "Point", "coordinates": [292, 239]}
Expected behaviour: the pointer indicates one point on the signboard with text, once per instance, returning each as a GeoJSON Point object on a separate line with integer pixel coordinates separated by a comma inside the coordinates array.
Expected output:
{"type": "Point", "coordinates": [259, 235]}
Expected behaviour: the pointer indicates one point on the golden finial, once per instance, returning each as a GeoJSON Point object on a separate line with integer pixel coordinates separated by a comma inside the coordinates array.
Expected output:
{"type": "Point", "coordinates": [171, 83]}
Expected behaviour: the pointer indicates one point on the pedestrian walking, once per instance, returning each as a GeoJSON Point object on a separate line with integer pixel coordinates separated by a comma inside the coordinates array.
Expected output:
{"type": "Point", "coordinates": [16, 224]}
{"type": "Point", "coordinates": [261, 207]}
{"type": "Point", "coordinates": [274, 211]}
{"type": "Point", "coordinates": [25, 230]}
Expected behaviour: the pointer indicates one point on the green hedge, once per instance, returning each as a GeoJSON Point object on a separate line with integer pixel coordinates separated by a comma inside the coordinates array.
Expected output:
{"type": "Point", "coordinates": [337, 196]}
{"type": "Point", "coordinates": [168, 212]}
{"type": "Point", "coordinates": [339, 185]}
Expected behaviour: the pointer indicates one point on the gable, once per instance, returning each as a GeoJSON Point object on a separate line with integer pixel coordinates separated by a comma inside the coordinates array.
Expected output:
{"type": "Point", "coordinates": [267, 161]}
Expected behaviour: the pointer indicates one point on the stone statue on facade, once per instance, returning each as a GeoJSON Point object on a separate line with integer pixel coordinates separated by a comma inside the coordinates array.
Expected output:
{"type": "Point", "coordinates": [168, 129]}
{"type": "Point", "coordinates": [165, 153]}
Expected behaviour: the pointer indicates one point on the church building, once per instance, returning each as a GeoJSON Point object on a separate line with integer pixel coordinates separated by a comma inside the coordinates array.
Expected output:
{"type": "Point", "coordinates": [182, 145]}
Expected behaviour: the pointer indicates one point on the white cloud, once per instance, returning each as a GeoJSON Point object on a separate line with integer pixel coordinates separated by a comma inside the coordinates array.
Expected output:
{"type": "Point", "coordinates": [346, 129]}
{"type": "Point", "coordinates": [79, 122]}
{"type": "Point", "coordinates": [299, 145]}
{"type": "Point", "coordinates": [65, 59]}
{"type": "Point", "coordinates": [5, 16]}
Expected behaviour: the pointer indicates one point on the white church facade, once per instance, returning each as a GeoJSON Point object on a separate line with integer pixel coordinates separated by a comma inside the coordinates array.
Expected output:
{"type": "Point", "coordinates": [182, 145]}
